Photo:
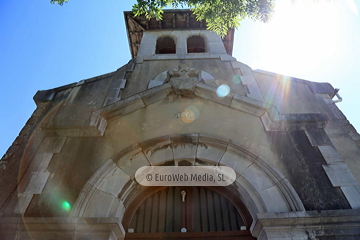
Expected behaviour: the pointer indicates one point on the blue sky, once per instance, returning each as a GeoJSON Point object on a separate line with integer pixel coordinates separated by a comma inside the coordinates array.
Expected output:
{"type": "Point", "coordinates": [45, 46]}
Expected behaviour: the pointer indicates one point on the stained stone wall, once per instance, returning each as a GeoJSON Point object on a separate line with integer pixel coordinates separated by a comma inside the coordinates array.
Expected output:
{"type": "Point", "coordinates": [295, 154]}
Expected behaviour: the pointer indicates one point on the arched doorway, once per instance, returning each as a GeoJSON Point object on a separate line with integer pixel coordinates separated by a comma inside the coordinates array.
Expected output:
{"type": "Point", "coordinates": [112, 191]}
{"type": "Point", "coordinates": [187, 213]}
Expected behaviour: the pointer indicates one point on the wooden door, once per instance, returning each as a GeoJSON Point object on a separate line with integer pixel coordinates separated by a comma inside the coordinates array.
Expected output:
{"type": "Point", "coordinates": [203, 213]}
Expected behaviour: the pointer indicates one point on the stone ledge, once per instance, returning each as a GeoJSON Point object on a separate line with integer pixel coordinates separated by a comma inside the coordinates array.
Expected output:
{"type": "Point", "coordinates": [327, 216]}
{"type": "Point", "coordinates": [166, 57]}
{"type": "Point", "coordinates": [273, 121]}
{"type": "Point", "coordinates": [306, 224]}
{"type": "Point", "coordinates": [111, 227]}
{"type": "Point", "coordinates": [47, 95]}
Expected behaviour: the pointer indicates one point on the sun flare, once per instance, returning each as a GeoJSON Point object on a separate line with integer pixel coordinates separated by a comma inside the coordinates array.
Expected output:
{"type": "Point", "coordinates": [301, 33]}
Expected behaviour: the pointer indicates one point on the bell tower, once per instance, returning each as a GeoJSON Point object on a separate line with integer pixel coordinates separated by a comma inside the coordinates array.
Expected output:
{"type": "Point", "coordinates": [178, 31]}
{"type": "Point", "coordinates": [180, 45]}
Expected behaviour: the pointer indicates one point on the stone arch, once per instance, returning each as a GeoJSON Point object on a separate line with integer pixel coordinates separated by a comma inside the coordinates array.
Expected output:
{"type": "Point", "coordinates": [260, 186]}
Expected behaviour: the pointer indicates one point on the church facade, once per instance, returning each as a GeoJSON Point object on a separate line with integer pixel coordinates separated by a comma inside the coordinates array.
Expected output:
{"type": "Point", "coordinates": [183, 101]}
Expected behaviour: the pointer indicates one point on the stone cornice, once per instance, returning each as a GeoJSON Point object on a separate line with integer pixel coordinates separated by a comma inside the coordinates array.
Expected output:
{"type": "Point", "coordinates": [271, 118]}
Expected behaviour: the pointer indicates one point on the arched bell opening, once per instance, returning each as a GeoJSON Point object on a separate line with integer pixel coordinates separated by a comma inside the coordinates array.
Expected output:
{"type": "Point", "coordinates": [183, 212]}
{"type": "Point", "coordinates": [165, 45]}
{"type": "Point", "coordinates": [196, 44]}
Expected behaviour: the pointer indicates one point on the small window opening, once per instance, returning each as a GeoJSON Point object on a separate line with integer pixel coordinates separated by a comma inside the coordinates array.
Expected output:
{"type": "Point", "coordinates": [195, 44]}
{"type": "Point", "coordinates": [165, 45]}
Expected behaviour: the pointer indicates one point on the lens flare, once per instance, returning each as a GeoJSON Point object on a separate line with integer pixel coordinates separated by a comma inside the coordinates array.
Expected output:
{"type": "Point", "coordinates": [236, 79]}
{"type": "Point", "coordinates": [187, 116]}
{"type": "Point", "coordinates": [66, 206]}
{"type": "Point", "coordinates": [190, 114]}
{"type": "Point", "coordinates": [352, 6]}
{"type": "Point", "coordinates": [223, 90]}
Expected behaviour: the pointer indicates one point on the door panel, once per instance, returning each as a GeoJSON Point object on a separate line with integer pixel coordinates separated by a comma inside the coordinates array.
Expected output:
{"type": "Point", "coordinates": [204, 213]}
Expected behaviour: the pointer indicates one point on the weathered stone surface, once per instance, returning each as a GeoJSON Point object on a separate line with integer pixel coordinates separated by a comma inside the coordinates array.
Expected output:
{"type": "Point", "coordinates": [330, 154]}
{"type": "Point", "coordinates": [184, 147]}
{"type": "Point", "coordinates": [303, 168]}
{"type": "Point", "coordinates": [156, 94]}
{"type": "Point", "coordinates": [132, 161]}
{"type": "Point", "coordinates": [317, 137]}
{"type": "Point", "coordinates": [114, 182]}
{"type": "Point", "coordinates": [158, 149]}
{"type": "Point", "coordinates": [248, 105]}
{"type": "Point", "coordinates": [64, 228]}
{"type": "Point", "coordinates": [210, 150]}
{"type": "Point", "coordinates": [227, 57]}
{"type": "Point", "coordinates": [254, 91]}
{"type": "Point", "coordinates": [45, 96]}
{"type": "Point", "coordinates": [122, 107]}
{"type": "Point", "coordinates": [309, 224]}
{"type": "Point", "coordinates": [232, 160]}
{"type": "Point", "coordinates": [99, 210]}
{"type": "Point", "coordinates": [355, 136]}
{"type": "Point", "coordinates": [76, 110]}
{"type": "Point", "coordinates": [155, 83]}
{"type": "Point", "coordinates": [352, 194]}
{"type": "Point", "coordinates": [336, 111]}
{"type": "Point", "coordinates": [273, 121]}
{"type": "Point", "coordinates": [340, 175]}
{"type": "Point", "coordinates": [114, 92]}
{"type": "Point", "coordinates": [24, 201]}
{"type": "Point", "coordinates": [52, 144]}
{"type": "Point", "coordinates": [208, 78]}
{"type": "Point", "coordinates": [162, 77]}
{"type": "Point", "coordinates": [320, 88]}
{"type": "Point", "coordinates": [216, 47]}
{"type": "Point", "coordinates": [37, 182]}
{"type": "Point", "coordinates": [111, 100]}
{"type": "Point", "coordinates": [288, 95]}
{"type": "Point", "coordinates": [255, 176]}
{"type": "Point", "coordinates": [184, 86]}
{"type": "Point", "coordinates": [274, 200]}
{"type": "Point", "coordinates": [209, 92]}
